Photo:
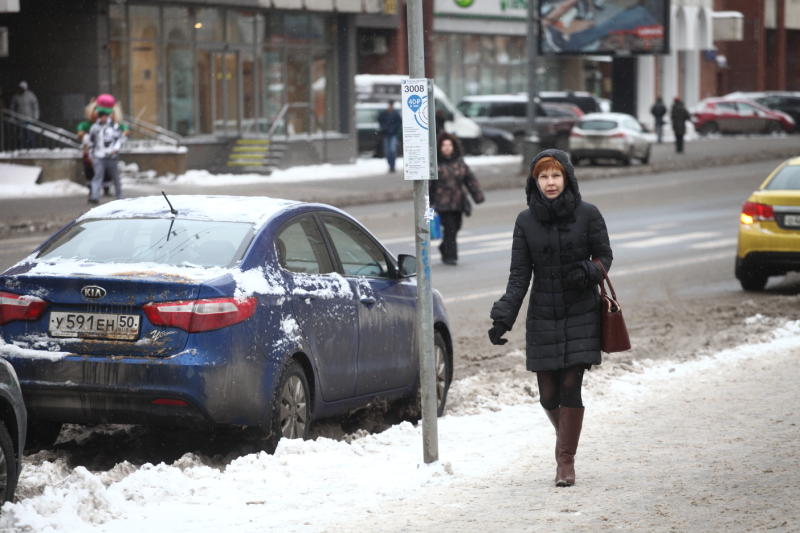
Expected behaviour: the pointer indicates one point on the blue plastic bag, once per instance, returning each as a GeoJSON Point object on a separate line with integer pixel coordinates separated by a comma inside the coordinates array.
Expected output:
{"type": "Point", "coordinates": [436, 227]}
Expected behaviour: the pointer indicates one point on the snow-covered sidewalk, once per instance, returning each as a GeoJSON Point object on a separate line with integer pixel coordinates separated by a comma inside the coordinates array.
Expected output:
{"type": "Point", "coordinates": [705, 445]}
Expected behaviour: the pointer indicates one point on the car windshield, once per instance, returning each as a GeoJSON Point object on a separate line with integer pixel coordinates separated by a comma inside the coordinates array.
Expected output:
{"type": "Point", "coordinates": [597, 125]}
{"type": "Point", "coordinates": [474, 109]}
{"type": "Point", "coordinates": [366, 115]}
{"type": "Point", "coordinates": [788, 179]}
{"type": "Point", "coordinates": [180, 242]}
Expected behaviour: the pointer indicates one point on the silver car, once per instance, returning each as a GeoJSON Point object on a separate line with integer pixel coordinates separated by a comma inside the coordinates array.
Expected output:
{"type": "Point", "coordinates": [609, 136]}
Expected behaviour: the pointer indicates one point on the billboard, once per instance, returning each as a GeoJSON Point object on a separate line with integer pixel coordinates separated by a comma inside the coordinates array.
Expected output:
{"type": "Point", "coordinates": [608, 27]}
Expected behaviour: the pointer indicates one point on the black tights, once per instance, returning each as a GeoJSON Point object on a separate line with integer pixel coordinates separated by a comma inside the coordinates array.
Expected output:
{"type": "Point", "coordinates": [560, 387]}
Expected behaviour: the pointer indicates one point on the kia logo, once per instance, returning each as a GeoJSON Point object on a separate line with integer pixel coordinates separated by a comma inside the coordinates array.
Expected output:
{"type": "Point", "coordinates": [93, 291]}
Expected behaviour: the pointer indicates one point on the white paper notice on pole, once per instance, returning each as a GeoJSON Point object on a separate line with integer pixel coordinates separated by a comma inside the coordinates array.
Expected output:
{"type": "Point", "coordinates": [415, 94]}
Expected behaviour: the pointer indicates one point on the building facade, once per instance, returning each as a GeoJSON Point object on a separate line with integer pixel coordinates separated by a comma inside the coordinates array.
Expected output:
{"type": "Point", "coordinates": [209, 70]}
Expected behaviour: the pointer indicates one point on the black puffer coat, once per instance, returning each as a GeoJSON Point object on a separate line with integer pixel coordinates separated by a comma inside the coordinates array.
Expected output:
{"type": "Point", "coordinates": [554, 240]}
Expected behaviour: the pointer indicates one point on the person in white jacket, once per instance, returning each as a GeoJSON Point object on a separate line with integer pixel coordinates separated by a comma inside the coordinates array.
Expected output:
{"type": "Point", "coordinates": [104, 141]}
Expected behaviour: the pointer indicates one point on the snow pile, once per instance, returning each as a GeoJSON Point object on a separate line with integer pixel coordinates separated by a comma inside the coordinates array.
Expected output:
{"type": "Point", "coordinates": [307, 485]}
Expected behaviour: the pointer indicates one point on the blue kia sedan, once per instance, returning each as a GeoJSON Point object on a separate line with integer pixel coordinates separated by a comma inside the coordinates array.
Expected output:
{"type": "Point", "coordinates": [213, 311]}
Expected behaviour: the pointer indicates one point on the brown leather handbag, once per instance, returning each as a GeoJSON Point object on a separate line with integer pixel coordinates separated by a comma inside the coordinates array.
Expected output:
{"type": "Point", "coordinates": [614, 333]}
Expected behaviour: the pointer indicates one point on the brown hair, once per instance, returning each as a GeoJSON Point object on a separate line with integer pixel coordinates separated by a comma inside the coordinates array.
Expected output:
{"type": "Point", "coordinates": [547, 163]}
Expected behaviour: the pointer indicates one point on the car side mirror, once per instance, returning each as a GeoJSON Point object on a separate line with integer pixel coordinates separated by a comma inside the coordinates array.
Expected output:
{"type": "Point", "coordinates": [408, 265]}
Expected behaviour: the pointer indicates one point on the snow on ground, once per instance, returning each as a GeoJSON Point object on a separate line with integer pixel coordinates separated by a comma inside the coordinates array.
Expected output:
{"type": "Point", "coordinates": [318, 485]}
{"type": "Point", "coordinates": [19, 181]}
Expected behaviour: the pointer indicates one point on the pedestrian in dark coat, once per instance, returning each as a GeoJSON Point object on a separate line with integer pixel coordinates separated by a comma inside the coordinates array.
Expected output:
{"type": "Point", "coordinates": [556, 240]}
{"type": "Point", "coordinates": [658, 110]}
{"type": "Point", "coordinates": [679, 115]}
{"type": "Point", "coordinates": [26, 104]}
{"type": "Point", "coordinates": [447, 194]}
{"type": "Point", "coordinates": [390, 125]}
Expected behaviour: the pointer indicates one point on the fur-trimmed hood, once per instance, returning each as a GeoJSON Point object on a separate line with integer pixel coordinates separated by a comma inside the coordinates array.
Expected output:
{"type": "Point", "coordinates": [562, 207]}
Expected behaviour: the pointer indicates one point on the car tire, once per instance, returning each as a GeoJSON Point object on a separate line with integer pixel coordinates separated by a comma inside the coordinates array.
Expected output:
{"type": "Point", "coordinates": [41, 434]}
{"type": "Point", "coordinates": [709, 128]}
{"type": "Point", "coordinates": [753, 282]}
{"type": "Point", "coordinates": [8, 465]}
{"type": "Point", "coordinates": [774, 127]}
{"type": "Point", "coordinates": [411, 408]}
{"type": "Point", "coordinates": [290, 410]}
{"type": "Point", "coordinates": [646, 157]}
{"type": "Point", "coordinates": [487, 147]}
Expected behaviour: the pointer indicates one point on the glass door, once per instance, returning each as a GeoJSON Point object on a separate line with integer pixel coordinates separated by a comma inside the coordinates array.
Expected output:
{"type": "Point", "coordinates": [225, 92]}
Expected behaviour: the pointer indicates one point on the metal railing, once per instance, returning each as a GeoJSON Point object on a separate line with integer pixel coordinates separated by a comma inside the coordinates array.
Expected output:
{"type": "Point", "coordinates": [18, 132]}
{"type": "Point", "coordinates": [152, 133]}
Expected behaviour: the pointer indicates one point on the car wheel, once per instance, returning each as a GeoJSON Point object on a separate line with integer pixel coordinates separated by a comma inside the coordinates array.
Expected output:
{"type": "Point", "coordinates": [625, 160]}
{"type": "Point", "coordinates": [8, 465]}
{"type": "Point", "coordinates": [709, 128]}
{"type": "Point", "coordinates": [487, 147]}
{"type": "Point", "coordinates": [411, 408]}
{"type": "Point", "coordinates": [41, 434]}
{"type": "Point", "coordinates": [646, 157]}
{"type": "Point", "coordinates": [774, 127]}
{"type": "Point", "coordinates": [291, 407]}
{"type": "Point", "coordinates": [752, 282]}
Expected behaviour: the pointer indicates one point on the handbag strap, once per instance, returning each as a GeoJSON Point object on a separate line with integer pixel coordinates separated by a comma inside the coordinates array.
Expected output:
{"type": "Point", "coordinates": [605, 280]}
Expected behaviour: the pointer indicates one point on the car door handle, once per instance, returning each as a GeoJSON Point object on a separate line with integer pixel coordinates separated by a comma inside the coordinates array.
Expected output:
{"type": "Point", "coordinates": [367, 300]}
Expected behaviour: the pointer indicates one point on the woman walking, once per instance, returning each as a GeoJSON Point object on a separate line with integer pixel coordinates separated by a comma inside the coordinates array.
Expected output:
{"type": "Point", "coordinates": [556, 239]}
{"type": "Point", "coordinates": [448, 196]}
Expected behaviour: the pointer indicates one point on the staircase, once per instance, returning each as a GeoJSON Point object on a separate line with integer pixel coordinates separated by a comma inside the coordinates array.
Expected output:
{"type": "Point", "coordinates": [248, 155]}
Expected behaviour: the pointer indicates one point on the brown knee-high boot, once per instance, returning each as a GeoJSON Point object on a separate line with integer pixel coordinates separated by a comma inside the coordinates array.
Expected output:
{"type": "Point", "coordinates": [552, 414]}
{"type": "Point", "coordinates": [570, 421]}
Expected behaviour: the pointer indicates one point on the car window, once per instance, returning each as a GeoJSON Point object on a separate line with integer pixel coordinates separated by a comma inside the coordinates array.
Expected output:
{"type": "Point", "coordinates": [367, 115]}
{"type": "Point", "coordinates": [746, 109]}
{"type": "Point", "coordinates": [180, 242]}
{"type": "Point", "coordinates": [597, 125]}
{"type": "Point", "coordinates": [726, 107]}
{"type": "Point", "coordinates": [301, 249]}
{"type": "Point", "coordinates": [787, 179]}
{"type": "Point", "coordinates": [474, 109]}
{"type": "Point", "coordinates": [359, 255]}
{"type": "Point", "coordinates": [508, 109]}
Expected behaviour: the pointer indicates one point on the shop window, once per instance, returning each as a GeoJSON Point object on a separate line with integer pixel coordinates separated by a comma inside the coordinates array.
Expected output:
{"type": "Point", "coordinates": [275, 29]}
{"type": "Point", "coordinates": [144, 22]}
{"type": "Point", "coordinates": [118, 54]}
{"type": "Point", "coordinates": [208, 25]}
{"type": "Point", "coordinates": [297, 30]}
{"type": "Point", "coordinates": [298, 94]}
{"type": "Point", "coordinates": [274, 85]}
{"type": "Point", "coordinates": [180, 89]}
{"type": "Point", "coordinates": [241, 27]}
{"type": "Point", "coordinates": [117, 21]}
{"type": "Point", "coordinates": [176, 24]}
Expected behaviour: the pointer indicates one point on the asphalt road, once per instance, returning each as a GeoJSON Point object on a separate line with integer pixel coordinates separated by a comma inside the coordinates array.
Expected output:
{"type": "Point", "coordinates": [673, 236]}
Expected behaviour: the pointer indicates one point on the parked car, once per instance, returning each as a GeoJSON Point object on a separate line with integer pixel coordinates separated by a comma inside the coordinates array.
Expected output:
{"type": "Point", "coordinates": [496, 141]}
{"type": "Point", "coordinates": [785, 101]}
{"type": "Point", "coordinates": [13, 425]}
{"type": "Point", "coordinates": [588, 102]}
{"type": "Point", "coordinates": [729, 115]}
{"type": "Point", "coordinates": [369, 136]}
{"type": "Point", "coordinates": [224, 311]}
{"type": "Point", "coordinates": [769, 228]}
{"type": "Point", "coordinates": [609, 136]}
{"type": "Point", "coordinates": [509, 112]}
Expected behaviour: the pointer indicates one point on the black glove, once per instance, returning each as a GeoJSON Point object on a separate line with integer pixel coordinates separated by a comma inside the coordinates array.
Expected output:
{"type": "Point", "coordinates": [496, 332]}
{"type": "Point", "coordinates": [574, 277]}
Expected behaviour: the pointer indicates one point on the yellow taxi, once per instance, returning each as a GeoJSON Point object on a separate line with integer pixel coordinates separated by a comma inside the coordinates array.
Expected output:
{"type": "Point", "coordinates": [769, 228]}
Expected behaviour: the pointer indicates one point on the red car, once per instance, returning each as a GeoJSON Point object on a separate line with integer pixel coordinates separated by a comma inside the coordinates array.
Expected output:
{"type": "Point", "coordinates": [733, 115]}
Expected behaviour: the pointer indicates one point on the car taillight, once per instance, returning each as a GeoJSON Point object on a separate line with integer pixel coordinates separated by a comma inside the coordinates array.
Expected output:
{"type": "Point", "coordinates": [619, 135]}
{"type": "Point", "coordinates": [755, 212]}
{"type": "Point", "coordinates": [200, 315]}
{"type": "Point", "coordinates": [575, 133]}
{"type": "Point", "coordinates": [20, 307]}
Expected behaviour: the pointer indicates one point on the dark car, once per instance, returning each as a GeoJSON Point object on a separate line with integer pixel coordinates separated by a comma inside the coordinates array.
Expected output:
{"type": "Point", "coordinates": [509, 112]}
{"type": "Point", "coordinates": [785, 101]}
{"type": "Point", "coordinates": [587, 102]}
{"type": "Point", "coordinates": [733, 115]}
{"type": "Point", "coordinates": [226, 311]}
{"type": "Point", "coordinates": [13, 423]}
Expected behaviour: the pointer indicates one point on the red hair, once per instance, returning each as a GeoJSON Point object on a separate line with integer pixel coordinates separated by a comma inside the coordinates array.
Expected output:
{"type": "Point", "coordinates": [547, 163]}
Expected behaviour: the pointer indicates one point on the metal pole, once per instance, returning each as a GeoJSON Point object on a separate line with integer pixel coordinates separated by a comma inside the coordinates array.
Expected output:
{"type": "Point", "coordinates": [533, 91]}
{"type": "Point", "coordinates": [424, 315]}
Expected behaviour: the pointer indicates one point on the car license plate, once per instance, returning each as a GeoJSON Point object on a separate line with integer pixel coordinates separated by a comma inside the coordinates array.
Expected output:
{"type": "Point", "coordinates": [94, 325]}
{"type": "Point", "coordinates": [791, 220]}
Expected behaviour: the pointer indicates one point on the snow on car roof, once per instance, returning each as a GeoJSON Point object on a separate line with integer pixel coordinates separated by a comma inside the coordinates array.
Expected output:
{"type": "Point", "coordinates": [253, 209]}
{"type": "Point", "coordinates": [495, 98]}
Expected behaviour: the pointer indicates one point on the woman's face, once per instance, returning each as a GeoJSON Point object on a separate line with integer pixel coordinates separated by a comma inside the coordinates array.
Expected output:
{"type": "Point", "coordinates": [446, 148]}
{"type": "Point", "coordinates": [551, 182]}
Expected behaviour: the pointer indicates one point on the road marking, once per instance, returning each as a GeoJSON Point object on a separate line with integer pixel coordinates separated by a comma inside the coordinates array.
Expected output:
{"type": "Point", "coordinates": [671, 239]}
{"type": "Point", "coordinates": [630, 235]}
{"type": "Point", "coordinates": [468, 238]}
{"type": "Point", "coordinates": [664, 265]}
{"type": "Point", "coordinates": [722, 243]}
